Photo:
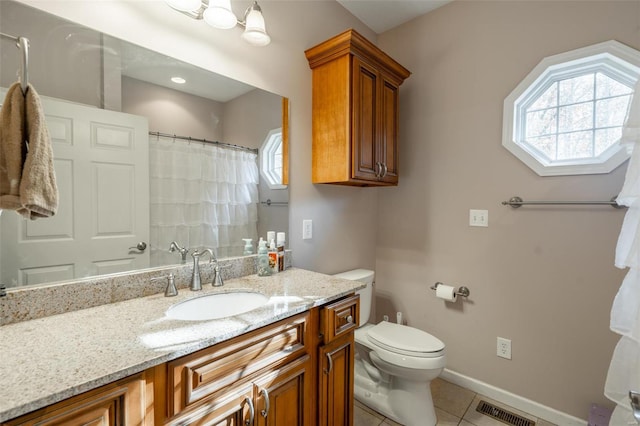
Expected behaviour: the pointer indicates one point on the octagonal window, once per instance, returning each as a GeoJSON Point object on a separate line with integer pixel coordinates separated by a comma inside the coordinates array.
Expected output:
{"type": "Point", "coordinates": [271, 161]}
{"type": "Point", "coordinates": [566, 116]}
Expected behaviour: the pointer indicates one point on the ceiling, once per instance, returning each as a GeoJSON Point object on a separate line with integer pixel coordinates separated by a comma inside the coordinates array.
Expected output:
{"type": "Point", "coordinates": [382, 15]}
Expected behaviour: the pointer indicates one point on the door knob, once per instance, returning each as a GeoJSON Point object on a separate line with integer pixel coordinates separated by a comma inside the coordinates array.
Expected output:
{"type": "Point", "coordinates": [142, 246]}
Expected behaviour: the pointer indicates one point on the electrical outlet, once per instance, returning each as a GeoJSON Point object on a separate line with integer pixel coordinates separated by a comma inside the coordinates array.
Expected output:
{"type": "Point", "coordinates": [479, 218]}
{"type": "Point", "coordinates": [307, 229]}
{"type": "Point", "coordinates": [504, 348]}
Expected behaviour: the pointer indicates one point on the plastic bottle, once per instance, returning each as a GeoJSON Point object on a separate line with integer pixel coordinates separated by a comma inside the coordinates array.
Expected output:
{"type": "Point", "coordinates": [263, 259]}
{"type": "Point", "coordinates": [273, 257]}
{"type": "Point", "coordinates": [248, 246]}
{"type": "Point", "coordinates": [271, 235]}
{"type": "Point", "coordinates": [280, 242]}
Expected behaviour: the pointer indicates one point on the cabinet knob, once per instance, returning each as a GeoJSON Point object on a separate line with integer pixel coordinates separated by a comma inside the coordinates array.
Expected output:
{"type": "Point", "coordinates": [350, 319]}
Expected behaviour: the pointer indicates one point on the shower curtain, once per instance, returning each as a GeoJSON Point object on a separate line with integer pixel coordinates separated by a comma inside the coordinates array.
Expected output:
{"type": "Point", "coordinates": [201, 196]}
{"type": "Point", "coordinates": [624, 370]}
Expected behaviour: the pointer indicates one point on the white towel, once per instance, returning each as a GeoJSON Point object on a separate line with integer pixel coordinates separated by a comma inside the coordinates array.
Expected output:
{"type": "Point", "coordinates": [31, 189]}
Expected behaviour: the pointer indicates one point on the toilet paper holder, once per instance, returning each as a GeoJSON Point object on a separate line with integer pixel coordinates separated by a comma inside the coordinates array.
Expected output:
{"type": "Point", "coordinates": [462, 291]}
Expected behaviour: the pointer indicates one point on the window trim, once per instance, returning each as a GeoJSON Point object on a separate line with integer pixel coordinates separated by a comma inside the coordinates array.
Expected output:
{"type": "Point", "coordinates": [266, 158]}
{"type": "Point", "coordinates": [615, 57]}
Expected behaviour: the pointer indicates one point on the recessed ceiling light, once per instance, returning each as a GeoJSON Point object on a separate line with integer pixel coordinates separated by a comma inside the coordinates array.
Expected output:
{"type": "Point", "coordinates": [178, 80]}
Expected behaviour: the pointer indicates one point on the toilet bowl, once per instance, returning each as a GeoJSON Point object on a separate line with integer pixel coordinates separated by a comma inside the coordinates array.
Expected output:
{"type": "Point", "coordinates": [394, 364]}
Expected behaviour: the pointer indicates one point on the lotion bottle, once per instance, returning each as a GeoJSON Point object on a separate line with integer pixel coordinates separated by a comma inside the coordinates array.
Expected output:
{"type": "Point", "coordinates": [280, 247]}
{"type": "Point", "coordinates": [273, 257]}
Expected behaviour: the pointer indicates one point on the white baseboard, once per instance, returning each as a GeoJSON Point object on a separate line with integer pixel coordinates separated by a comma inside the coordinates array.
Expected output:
{"type": "Point", "coordinates": [523, 404]}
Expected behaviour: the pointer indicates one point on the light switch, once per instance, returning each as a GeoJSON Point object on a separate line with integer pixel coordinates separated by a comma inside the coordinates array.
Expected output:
{"type": "Point", "coordinates": [479, 218]}
{"type": "Point", "coordinates": [307, 229]}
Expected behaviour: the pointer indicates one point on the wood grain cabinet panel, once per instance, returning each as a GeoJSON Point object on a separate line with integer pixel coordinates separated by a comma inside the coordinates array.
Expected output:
{"type": "Point", "coordinates": [340, 318]}
{"type": "Point", "coordinates": [125, 402]}
{"type": "Point", "coordinates": [282, 396]}
{"type": "Point", "coordinates": [355, 112]}
{"type": "Point", "coordinates": [203, 375]}
{"type": "Point", "coordinates": [336, 381]}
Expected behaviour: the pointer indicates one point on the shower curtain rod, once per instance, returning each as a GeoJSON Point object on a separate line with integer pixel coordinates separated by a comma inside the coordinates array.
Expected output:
{"type": "Point", "coordinates": [516, 202]}
{"type": "Point", "coordinates": [204, 141]}
{"type": "Point", "coordinates": [22, 43]}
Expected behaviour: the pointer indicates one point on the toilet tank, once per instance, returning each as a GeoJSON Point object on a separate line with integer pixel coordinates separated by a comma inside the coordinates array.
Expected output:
{"type": "Point", "coordinates": [366, 294]}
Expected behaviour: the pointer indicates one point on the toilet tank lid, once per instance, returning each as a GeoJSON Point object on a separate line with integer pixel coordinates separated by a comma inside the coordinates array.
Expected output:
{"type": "Point", "coordinates": [362, 275]}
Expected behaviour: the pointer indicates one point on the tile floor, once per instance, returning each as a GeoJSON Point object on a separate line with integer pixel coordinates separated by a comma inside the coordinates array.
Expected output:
{"type": "Point", "coordinates": [455, 406]}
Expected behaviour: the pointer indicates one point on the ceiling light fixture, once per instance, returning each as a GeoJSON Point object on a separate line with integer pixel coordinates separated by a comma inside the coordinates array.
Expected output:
{"type": "Point", "coordinates": [218, 14]}
{"type": "Point", "coordinates": [178, 80]}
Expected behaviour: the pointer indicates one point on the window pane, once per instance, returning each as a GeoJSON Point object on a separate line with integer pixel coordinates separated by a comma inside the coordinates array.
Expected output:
{"type": "Point", "coordinates": [575, 145]}
{"type": "Point", "coordinates": [546, 145]}
{"type": "Point", "coordinates": [607, 87]}
{"type": "Point", "coordinates": [612, 112]}
{"type": "Point", "coordinates": [541, 122]}
{"type": "Point", "coordinates": [575, 117]}
{"type": "Point", "coordinates": [605, 138]}
{"type": "Point", "coordinates": [578, 89]}
{"type": "Point", "coordinates": [548, 99]}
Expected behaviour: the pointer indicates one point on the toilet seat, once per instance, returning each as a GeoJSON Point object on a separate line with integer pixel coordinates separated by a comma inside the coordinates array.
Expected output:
{"type": "Point", "coordinates": [404, 340]}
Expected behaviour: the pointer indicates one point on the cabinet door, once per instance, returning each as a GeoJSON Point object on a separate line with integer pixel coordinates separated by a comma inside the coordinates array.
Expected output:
{"type": "Point", "coordinates": [336, 382]}
{"type": "Point", "coordinates": [389, 116]}
{"type": "Point", "coordinates": [282, 396]}
{"type": "Point", "coordinates": [364, 137]}
{"type": "Point", "coordinates": [235, 408]}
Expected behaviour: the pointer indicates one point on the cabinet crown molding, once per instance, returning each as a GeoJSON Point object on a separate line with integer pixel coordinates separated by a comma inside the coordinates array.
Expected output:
{"type": "Point", "coordinates": [352, 42]}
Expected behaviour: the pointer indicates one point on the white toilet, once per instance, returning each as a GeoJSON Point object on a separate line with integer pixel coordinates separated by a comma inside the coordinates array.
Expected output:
{"type": "Point", "coordinates": [394, 364]}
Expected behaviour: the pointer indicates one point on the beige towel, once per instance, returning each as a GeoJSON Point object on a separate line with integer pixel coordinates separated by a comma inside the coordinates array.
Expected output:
{"type": "Point", "coordinates": [37, 191]}
{"type": "Point", "coordinates": [12, 148]}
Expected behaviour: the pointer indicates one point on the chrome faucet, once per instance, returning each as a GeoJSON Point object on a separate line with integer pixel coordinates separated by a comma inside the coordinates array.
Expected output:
{"type": "Point", "coordinates": [182, 250]}
{"type": "Point", "coordinates": [196, 282]}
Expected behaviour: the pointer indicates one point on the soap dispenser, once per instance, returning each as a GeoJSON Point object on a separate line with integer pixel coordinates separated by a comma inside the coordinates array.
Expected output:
{"type": "Point", "coordinates": [263, 259]}
{"type": "Point", "coordinates": [248, 246]}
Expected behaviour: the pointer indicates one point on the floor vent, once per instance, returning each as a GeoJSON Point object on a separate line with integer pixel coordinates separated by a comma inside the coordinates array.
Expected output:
{"type": "Point", "coordinates": [503, 415]}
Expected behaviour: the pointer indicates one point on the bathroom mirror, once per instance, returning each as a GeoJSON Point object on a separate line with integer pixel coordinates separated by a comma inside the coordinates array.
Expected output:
{"type": "Point", "coordinates": [121, 96]}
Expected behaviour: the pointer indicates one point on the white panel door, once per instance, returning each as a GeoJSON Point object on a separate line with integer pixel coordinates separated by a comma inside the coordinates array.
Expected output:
{"type": "Point", "coordinates": [102, 171]}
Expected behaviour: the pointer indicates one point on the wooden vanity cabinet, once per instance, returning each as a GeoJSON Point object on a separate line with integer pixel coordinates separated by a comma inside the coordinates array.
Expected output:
{"type": "Point", "coordinates": [263, 377]}
{"type": "Point", "coordinates": [126, 402]}
{"type": "Point", "coordinates": [295, 372]}
{"type": "Point", "coordinates": [338, 322]}
{"type": "Point", "coordinates": [355, 112]}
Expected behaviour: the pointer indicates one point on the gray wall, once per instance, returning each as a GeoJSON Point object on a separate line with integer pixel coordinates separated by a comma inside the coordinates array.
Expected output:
{"type": "Point", "coordinates": [540, 276]}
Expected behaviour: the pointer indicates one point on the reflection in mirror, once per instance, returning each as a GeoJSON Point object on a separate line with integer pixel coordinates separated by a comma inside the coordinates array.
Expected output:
{"type": "Point", "coordinates": [139, 158]}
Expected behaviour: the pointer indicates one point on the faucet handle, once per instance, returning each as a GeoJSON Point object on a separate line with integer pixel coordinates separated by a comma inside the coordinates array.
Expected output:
{"type": "Point", "coordinates": [171, 289]}
{"type": "Point", "coordinates": [218, 281]}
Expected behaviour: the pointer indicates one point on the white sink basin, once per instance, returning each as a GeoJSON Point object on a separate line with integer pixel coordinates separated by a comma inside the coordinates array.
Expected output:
{"type": "Point", "coordinates": [214, 306]}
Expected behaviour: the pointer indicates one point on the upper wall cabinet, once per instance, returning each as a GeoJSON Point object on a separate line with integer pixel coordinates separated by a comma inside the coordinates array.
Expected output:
{"type": "Point", "coordinates": [355, 112]}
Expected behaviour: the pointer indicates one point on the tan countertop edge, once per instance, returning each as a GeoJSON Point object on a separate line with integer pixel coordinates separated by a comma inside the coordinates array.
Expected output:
{"type": "Point", "coordinates": [47, 360]}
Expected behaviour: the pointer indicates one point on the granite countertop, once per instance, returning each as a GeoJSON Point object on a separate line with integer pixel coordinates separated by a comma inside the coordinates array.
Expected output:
{"type": "Point", "coordinates": [46, 360]}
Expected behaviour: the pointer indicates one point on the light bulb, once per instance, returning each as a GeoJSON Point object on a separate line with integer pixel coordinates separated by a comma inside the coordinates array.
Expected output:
{"type": "Point", "coordinates": [255, 32]}
{"type": "Point", "coordinates": [219, 15]}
